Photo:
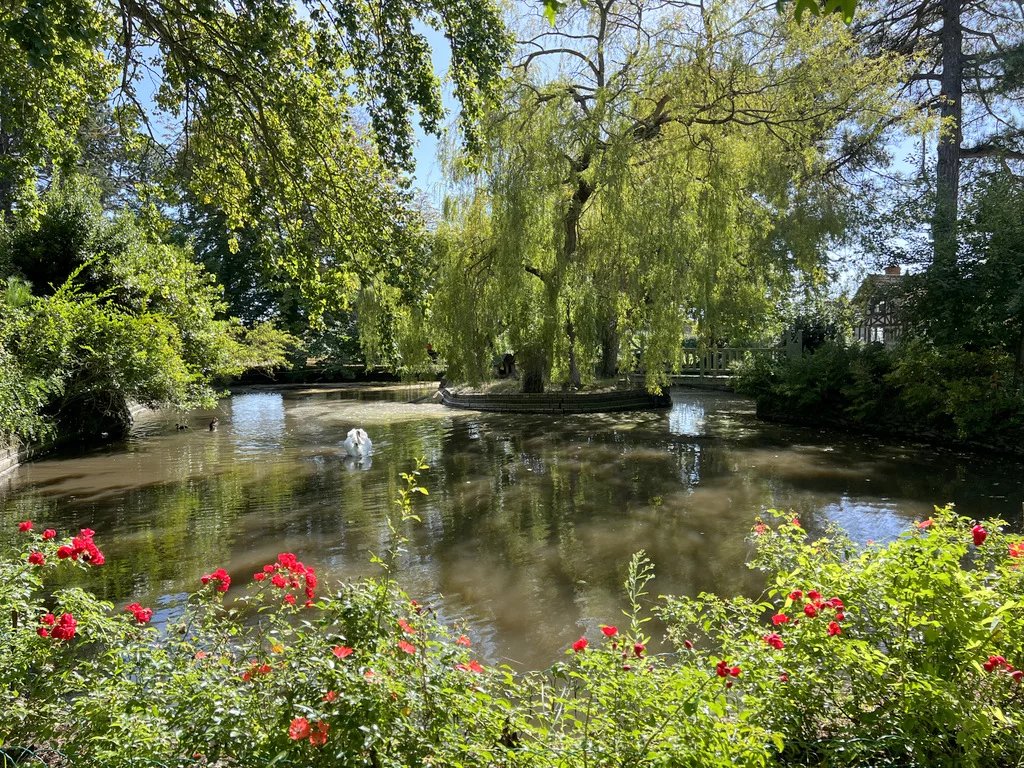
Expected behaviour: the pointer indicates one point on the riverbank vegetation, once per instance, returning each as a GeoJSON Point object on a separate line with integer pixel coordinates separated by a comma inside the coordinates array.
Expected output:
{"type": "Point", "coordinates": [902, 653]}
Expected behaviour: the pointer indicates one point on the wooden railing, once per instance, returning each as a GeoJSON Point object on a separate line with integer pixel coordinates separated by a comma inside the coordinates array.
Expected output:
{"type": "Point", "coordinates": [722, 361]}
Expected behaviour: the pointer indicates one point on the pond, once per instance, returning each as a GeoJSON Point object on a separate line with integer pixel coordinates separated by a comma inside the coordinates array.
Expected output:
{"type": "Point", "coordinates": [530, 522]}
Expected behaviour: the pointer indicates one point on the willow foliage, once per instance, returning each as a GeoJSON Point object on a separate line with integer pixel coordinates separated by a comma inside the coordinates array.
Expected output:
{"type": "Point", "coordinates": [655, 168]}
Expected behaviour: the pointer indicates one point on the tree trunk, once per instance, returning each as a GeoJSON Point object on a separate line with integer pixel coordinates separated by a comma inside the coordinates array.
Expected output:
{"type": "Point", "coordinates": [609, 349]}
{"type": "Point", "coordinates": [575, 382]}
{"type": "Point", "coordinates": [1018, 365]}
{"type": "Point", "coordinates": [570, 243]}
{"type": "Point", "coordinates": [947, 177]}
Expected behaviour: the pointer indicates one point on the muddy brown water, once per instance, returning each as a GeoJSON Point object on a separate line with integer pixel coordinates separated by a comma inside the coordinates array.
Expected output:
{"type": "Point", "coordinates": [530, 522]}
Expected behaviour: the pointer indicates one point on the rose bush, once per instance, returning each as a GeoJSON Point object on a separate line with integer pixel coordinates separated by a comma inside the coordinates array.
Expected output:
{"type": "Point", "coordinates": [907, 653]}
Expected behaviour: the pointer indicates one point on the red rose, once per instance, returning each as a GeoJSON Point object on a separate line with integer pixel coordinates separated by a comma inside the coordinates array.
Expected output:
{"type": "Point", "coordinates": [463, 641]}
{"type": "Point", "coordinates": [406, 627]}
{"type": "Point", "coordinates": [638, 649]}
{"type": "Point", "coordinates": [342, 651]}
{"type": "Point", "coordinates": [580, 645]}
{"type": "Point", "coordinates": [780, 618]}
{"type": "Point", "coordinates": [810, 611]}
{"type": "Point", "coordinates": [609, 631]}
{"type": "Point", "coordinates": [407, 647]}
{"type": "Point", "coordinates": [36, 558]}
{"type": "Point", "coordinates": [834, 629]}
{"type": "Point", "coordinates": [319, 735]}
{"type": "Point", "coordinates": [299, 729]}
{"type": "Point", "coordinates": [25, 526]}
{"type": "Point", "coordinates": [259, 576]}
{"type": "Point", "coordinates": [796, 594]}
{"type": "Point", "coordinates": [774, 640]}
{"type": "Point", "coordinates": [278, 580]}
{"type": "Point", "coordinates": [48, 534]}
{"type": "Point", "coordinates": [979, 534]}
{"type": "Point", "coordinates": [43, 632]}
{"type": "Point", "coordinates": [814, 595]}
{"type": "Point", "coordinates": [65, 628]}
{"type": "Point", "coordinates": [722, 668]}
{"type": "Point", "coordinates": [48, 619]}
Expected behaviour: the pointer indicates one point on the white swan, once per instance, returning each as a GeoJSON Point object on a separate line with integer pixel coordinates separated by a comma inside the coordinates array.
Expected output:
{"type": "Point", "coordinates": [358, 443]}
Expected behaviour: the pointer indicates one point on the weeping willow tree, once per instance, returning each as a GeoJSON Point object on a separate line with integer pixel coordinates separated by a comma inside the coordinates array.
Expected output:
{"type": "Point", "coordinates": [655, 166]}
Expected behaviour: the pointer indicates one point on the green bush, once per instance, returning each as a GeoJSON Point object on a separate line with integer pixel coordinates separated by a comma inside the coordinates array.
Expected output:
{"type": "Point", "coordinates": [898, 654]}
{"type": "Point", "coordinates": [110, 315]}
{"type": "Point", "coordinates": [914, 388]}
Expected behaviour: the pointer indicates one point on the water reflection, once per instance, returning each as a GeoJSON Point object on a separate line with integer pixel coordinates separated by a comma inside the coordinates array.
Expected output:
{"type": "Point", "coordinates": [530, 521]}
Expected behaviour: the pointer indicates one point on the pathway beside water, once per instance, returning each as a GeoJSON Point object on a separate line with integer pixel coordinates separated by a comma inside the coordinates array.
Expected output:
{"type": "Point", "coordinates": [530, 521]}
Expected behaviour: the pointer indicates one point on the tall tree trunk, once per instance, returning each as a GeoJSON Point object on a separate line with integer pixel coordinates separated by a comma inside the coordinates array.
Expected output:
{"type": "Point", "coordinates": [1018, 366]}
{"type": "Point", "coordinates": [575, 382]}
{"type": "Point", "coordinates": [570, 243]}
{"type": "Point", "coordinates": [947, 178]}
{"type": "Point", "coordinates": [609, 349]}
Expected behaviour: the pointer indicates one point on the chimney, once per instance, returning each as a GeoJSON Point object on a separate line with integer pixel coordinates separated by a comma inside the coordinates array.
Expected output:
{"type": "Point", "coordinates": [893, 270]}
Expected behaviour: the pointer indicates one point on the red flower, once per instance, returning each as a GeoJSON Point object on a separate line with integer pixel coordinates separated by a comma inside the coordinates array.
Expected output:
{"type": "Point", "coordinates": [342, 651]}
{"type": "Point", "coordinates": [638, 649]}
{"type": "Point", "coordinates": [83, 546]}
{"type": "Point", "coordinates": [796, 522]}
{"type": "Point", "coordinates": [722, 668]}
{"type": "Point", "coordinates": [609, 631]}
{"type": "Point", "coordinates": [319, 735]}
{"type": "Point", "coordinates": [406, 627]}
{"type": "Point", "coordinates": [142, 615]}
{"type": "Point", "coordinates": [278, 581]}
{"type": "Point", "coordinates": [735, 671]}
{"type": "Point", "coordinates": [473, 666]}
{"type": "Point", "coordinates": [259, 576]}
{"type": "Point", "coordinates": [330, 696]}
{"type": "Point", "coordinates": [760, 528]}
{"type": "Point", "coordinates": [48, 534]}
{"type": "Point", "coordinates": [290, 599]}
{"type": "Point", "coordinates": [48, 619]}
{"type": "Point", "coordinates": [580, 645]}
{"type": "Point", "coordinates": [926, 524]}
{"type": "Point", "coordinates": [780, 618]}
{"type": "Point", "coordinates": [688, 645]}
{"type": "Point", "coordinates": [834, 602]}
{"type": "Point", "coordinates": [774, 639]}
{"type": "Point", "coordinates": [796, 594]}
{"type": "Point", "coordinates": [979, 534]}
{"type": "Point", "coordinates": [200, 655]}
{"type": "Point", "coordinates": [840, 616]}
{"type": "Point", "coordinates": [783, 678]}
{"type": "Point", "coordinates": [43, 632]}
{"type": "Point", "coordinates": [463, 641]}
{"type": "Point", "coordinates": [810, 611]}
{"type": "Point", "coordinates": [1017, 549]}
{"type": "Point", "coordinates": [834, 629]}
{"type": "Point", "coordinates": [36, 558]}
{"type": "Point", "coordinates": [25, 526]}
{"type": "Point", "coordinates": [407, 647]}
{"type": "Point", "coordinates": [220, 576]}
{"type": "Point", "coordinates": [65, 552]}
{"type": "Point", "coordinates": [299, 729]}
{"type": "Point", "coordinates": [994, 662]}
{"type": "Point", "coordinates": [814, 595]}
{"type": "Point", "coordinates": [1017, 675]}
{"type": "Point", "coordinates": [65, 628]}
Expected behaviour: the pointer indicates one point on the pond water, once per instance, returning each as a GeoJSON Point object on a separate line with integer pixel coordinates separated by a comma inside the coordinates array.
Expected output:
{"type": "Point", "coordinates": [530, 521]}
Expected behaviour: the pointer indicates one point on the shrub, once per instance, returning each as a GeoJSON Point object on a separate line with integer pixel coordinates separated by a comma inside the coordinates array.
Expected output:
{"type": "Point", "coordinates": [915, 388]}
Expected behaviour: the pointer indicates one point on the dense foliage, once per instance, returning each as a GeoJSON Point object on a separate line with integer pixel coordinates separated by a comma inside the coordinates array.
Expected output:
{"type": "Point", "coordinates": [97, 314]}
{"type": "Point", "coordinates": [898, 654]}
{"type": "Point", "coordinates": [916, 389]}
